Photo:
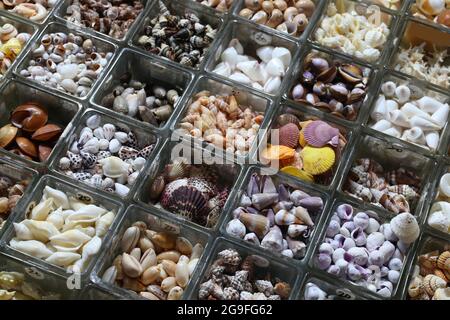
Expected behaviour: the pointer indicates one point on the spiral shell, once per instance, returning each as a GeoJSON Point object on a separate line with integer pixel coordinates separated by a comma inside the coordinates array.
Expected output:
{"type": "Point", "coordinates": [431, 283]}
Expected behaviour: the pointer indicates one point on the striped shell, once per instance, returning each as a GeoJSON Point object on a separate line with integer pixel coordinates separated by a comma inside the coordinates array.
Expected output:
{"type": "Point", "coordinates": [319, 133]}
{"type": "Point", "coordinates": [288, 135]}
{"type": "Point", "coordinates": [317, 160]}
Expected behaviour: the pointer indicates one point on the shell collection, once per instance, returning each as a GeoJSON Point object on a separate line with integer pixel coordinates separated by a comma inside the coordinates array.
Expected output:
{"type": "Point", "coordinates": [62, 230]}
{"type": "Point", "coordinates": [234, 276]}
{"type": "Point", "coordinates": [291, 16]}
{"type": "Point", "coordinates": [29, 133]}
{"type": "Point", "coordinates": [344, 29]}
{"type": "Point", "coordinates": [155, 265]}
{"type": "Point", "coordinates": [34, 10]}
{"type": "Point", "coordinates": [180, 38]}
{"type": "Point", "coordinates": [11, 191]}
{"type": "Point", "coordinates": [11, 44]}
{"type": "Point", "coordinates": [314, 292]}
{"type": "Point", "coordinates": [397, 190]}
{"type": "Point", "coordinates": [193, 192]}
{"type": "Point", "coordinates": [67, 62]}
{"type": "Point", "coordinates": [360, 248]}
{"type": "Point", "coordinates": [332, 86]}
{"type": "Point", "coordinates": [264, 73]}
{"type": "Point", "coordinates": [219, 5]}
{"type": "Point", "coordinates": [151, 103]}
{"type": "Point", "coordinates": [106, 156]}
{"type": "Point", "coordinates": [412, 116]}
{"type": "Point", "coordinates": [308, 150]}
{"type": "Point", "coordinates": [275, 217]}
{"type": "Point", "coordinates": [222, 121]}
{"type": "Point", "coordinates": [439, 217]}
{"type": "Point", "coordinates": [437, 11]}
{"type": "Point", "coordinates": [113, 18]}
{"type": "Point", "coordinates": [430, 279]}
{"type": "Point", "coordinates": [15, 286]}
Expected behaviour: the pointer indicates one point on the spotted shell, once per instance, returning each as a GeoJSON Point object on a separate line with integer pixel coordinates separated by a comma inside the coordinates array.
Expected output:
{"type": "Point", "coordinates": [289, 135]}
{"type": "Point", "coordinates": [317, 160]}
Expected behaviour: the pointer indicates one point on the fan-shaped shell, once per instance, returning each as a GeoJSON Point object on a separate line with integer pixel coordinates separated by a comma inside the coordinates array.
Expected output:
{"type": "Point", "coordinates": [317, 160]}
{"type": "Point", "coordinates": [405, 227]}
{"type": "Point", "coordinates": [288, 135]}
{"type": "Point", "coordinates": [431, 283]}
{"type": "Point", "coordinates": [278, 152]}
{"type": "Point", "coordinates": [299, 173]}
{"type": "Point", "coordinates": [444, 261]}
{"type": "Point", "coordinates": [319, 133]}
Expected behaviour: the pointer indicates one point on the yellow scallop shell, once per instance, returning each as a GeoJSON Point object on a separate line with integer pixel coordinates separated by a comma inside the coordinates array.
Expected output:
{"type": "Point", "coordinates": [298, 173]}
{"type": "Point", "coordinates": [301, 139]}
{"type": "Point", "coordinates": [11, 48]}
{"type": "Point", "coordinates": [277, 152]}
{"type": "Point", "coordinates": [317, 160]}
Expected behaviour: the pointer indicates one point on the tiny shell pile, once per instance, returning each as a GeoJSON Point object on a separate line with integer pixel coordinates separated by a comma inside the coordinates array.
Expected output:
{"type": "Point", "coordinates": [396, 190]}
{"type": "Point", "coordinates": [106, 156]}
{"type": "Point", "coordinates": [277, 218]}
{"type": "Point", "coordinates": [357, 248]}
{"type": "Point", "coordinates": [11, 44]}
{"type": "Point", "coordinates": [29, 134]}
{"type": "Point", "coordinates": [288, 16]}
{"type": "Point", "coordinates": [34, 10]}
{"type": "Point", "coordinates": [62, 230]}
{"type": "Point", "coordinates": [222, 121]}
{"type": "Point", "coordinates": [235, 277]}
{"type": "Point", "coordinates": [331, 86]}
{"type": "Point", "coordinates": [180, 38]}
{"type": "Point", "coordinates": [410, 116]}
{"type": "Point", "coordinates": [14, 286]}
{"type": "Point", "coordinates": [151, 103]}
{"type": "Point", "coordinates": [345, 30]}
{"type": "Point", "coordinates": [431, 277]}
{"type": "Point", "coordinates": [219, 5]}
{"type": "Point", "coordinates": [424, 64]}
{"type": "Point", "coordinates": [307, 150]}
{"type": "Point", "coordinates": [113, 18]}
{"type": "Point", "coordinates": [155, 265]}
{"type": "Point", "coordinates": [193, 192]}
{"type": "Point", "coordinates": [437, 11]}
{"type": "Point", "coordinates": [440, 211]}
{"type": "Point", "coordinates": [264, 74]}
{"type": "Point", "coordinates": [66, 62]}
{"type": "Point", "coordinates": [11, 191]}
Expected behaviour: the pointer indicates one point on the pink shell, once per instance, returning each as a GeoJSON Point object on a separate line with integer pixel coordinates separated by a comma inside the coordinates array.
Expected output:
{"type": "Point", "coordinates": [289, 134]}
{"type": "Point", "coordinates": [319, 133]}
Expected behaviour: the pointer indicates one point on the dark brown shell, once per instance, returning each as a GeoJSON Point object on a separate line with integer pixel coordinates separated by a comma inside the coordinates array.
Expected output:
{"type": "Point", "coordinates": [29, 116]}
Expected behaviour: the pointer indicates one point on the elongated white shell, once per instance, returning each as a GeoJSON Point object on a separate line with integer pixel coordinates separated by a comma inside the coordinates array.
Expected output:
{"type": "Point", "coordinates": [379, 112]}
{"type": "Point", "coordinates": [399, 118]}
{"type": "Point", "coordinates": [283, 54]}
{"type": "Point", "coordinates": [414, 135]}
{"type": "Point", "coordinates": [91, 248]}
{"type": "Point", "coordinates": [59, 198]}
{"type": "Point", "coordinates": [102, 225]}
{"type": "Point", "coordinates": [230, 56]}
{"type": "Point", "coordinates": [240, 77]}
{"type": "Point", "coordinates": [440, 220]}
{"type": "Point", "coordinates": [22, 232]}
{"type": "Point", "coordinates": [432, 139]}
{"type": "Point", "coordinates": [223, 69]}
{"type": "Point", "coordinates": [440, 116]}
{"type": "Point", "coordinates": [251, 69]}
{"type": "Point", "coordinates": [275, 68]}
{"type": "Point", "coordinates": [41, 211]}
{"type": "Point", "coordinates": [41, 230]}
{"type": "Point", "coordinates": [32, 247]}
{"type": "Point", "coordinates": [272, 85]}
{"type": "Point", "coordinates": [428, 104]}
{"type": "Point", "coordinates": [382, 125]}
{"type": "Point", "coordinates": [63, 259]}
{"type": "Point", "coordinates": [444, 185]}
{"type": "Point", "coordinates": [84, 216]}
{"type": "Point", "coordinates": [405, 227]}
{"type": "Point", "coordinates": [424, 124]}
{"type": "Point", "coordinates": [411, 110]}
{"type": "Point", "coordinates": [69, 241]}
{"type": "Point", "coordinates": [56, 218]}
{"type": "Point", "coordinates": [392, 132]}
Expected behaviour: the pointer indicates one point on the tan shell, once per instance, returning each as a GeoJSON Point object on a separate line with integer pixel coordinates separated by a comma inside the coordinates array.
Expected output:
{"type": "Point", "coordinates": [26, 146]}
{"type": "Point", "coordinates": [7, 135]}
{"type": "Point", "coordinates": [443, 261]}
{"type": "Point", "coordinates": [47, 132]}
{"type": "Point", "coordinates": [415, 288]}
{"type": "Point", "coordinates": [431, 283]}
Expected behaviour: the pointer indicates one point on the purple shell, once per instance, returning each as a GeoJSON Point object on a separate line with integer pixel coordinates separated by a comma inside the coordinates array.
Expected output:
{"type": "Point", "coordinates": [319, 133]}
{"type": "Point", "coordinates": [334, 270]}
{"type": "Point", "coordinates": [323, 261]}
{"type": "Point", "coordinates": [345, 211]}
{"type": "Point", "coordinates": [312, 203]}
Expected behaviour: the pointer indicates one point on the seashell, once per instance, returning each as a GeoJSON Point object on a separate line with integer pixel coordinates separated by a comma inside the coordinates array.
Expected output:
{"type": "Point", "coordinates": [319, 133]}
{"type": "Point", "coordinates": [272, 85]}
{"type": "Point", "coordinates": [444, 261]}
{"type": "Point", "coordinates": [69, 241]}
{"type": "Point", "coordinates": [260, 17]}
{"type": "Point", "coordinates": [296, 230]}
{"type": "Point", "coordinates": [431, 7]}
{"type": "Point", "coordinates": [275, 67]}
{"type": "Point", "coordinates": [42, 210]}
{"type": "Point", "coordinates": [410, 110]}
{"type": "Point", "coordinates": [289, 135]}
{"type": "Point", "coordinates": [442, 294]}
{"type": "Point", "coordinates": [114, 167]}
{"type": "Point", "coordinates": [317, 160]}
{"type": "Point", "coordinates": [265, 53]}
{"type": "Point", "coordinates": [278, 152]}
{"type": "Point", "coordinates": [414, 135]}
{"type": "Point", "coordinates": [432, 139]}
{"type": "Point", "coordinates": [47, 132]}
{"type": "Point", "coordinates": [284, 218]}
{"type": "Point", "coordinates": [428, 104]}
{"type": "Point", "coordinates": [182, 273]}
{"type": "Point", "coordinates": [273, 240]}
{"type": "Point", "coordinates": [392, 132]}
{"type": "Point", "coordinates": [230, 56]}
{"type": "Point", "coordinates": [440, 116]}
{"type": "Point", "coordinates": [130, 239]}
{"type": "Point", "coordinates": [431, 283]}
{"type": "Point", "coordinates": [380, 111]}
{"type": "Point", "coordinates": [41, 230]}
{"type": "Point", "coordinates": [251, 70]}
{"type": "Point", "coordinates": [93, 122]}
{"type": "Point", "coordinates": [424, 124]}
{"type": "Point", "coordinates": [240, 77]}
{"type": "Point", "coordinates": [31, 247]}
{"type": "Point", "coordinates": [58, 198]}
{"type": "Point", "coordinates": [253, 4]}
{"type": "Point", "coordinates": [399, 118]}
{"type": "Point", "coordinates": [444, 187]}
{"type": "Point", "coordinates": [103, 224]}
{"type": "Point", "coordinates": [236, 228]}
{"type": "Point", "coordinates": [382, 125]}
{"type": "Point", "coordinates": [402, 93]}
{"type": "Point", "coordinates": [388, 88]}
{"type": "Point", "coordinates": [110, 275]}
{"type": "Point", "coordinates": [405, 227]}
{"type": "Point", "coordinates": [264, 200]}
{"type": "Point", "coordinates": [63, 259]}
{"type": "Point", "coordinates": [26, 146]}
{"type": "Point", "coordinates": [313, 292]}
{"type": "Point", "coordinates": [7, 135]}
{"type": "Point", "coordinates": [302, 214]}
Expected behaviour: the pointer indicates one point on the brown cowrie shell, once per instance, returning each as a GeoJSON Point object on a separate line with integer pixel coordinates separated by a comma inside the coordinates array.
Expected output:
{"type": "Point", "coordinates": [168, 283]}
{"type": "Point", "coordinates": [131, 266]}
{"type": "Point", "coordinates": [164, 240]}
{"type": "Point", "coordinates": [7, 135]}
{"type": "Point", "coordinates": [350, 73]}
{"type": "Point", "coordinates": [29, 117]}
{"type": "Point", "coordinates": [145, 244]}
{"type": "Point", "coordinates": [44, 152]}
{"type": "Point", "coordinates": [130, 239]}
{"type": "Point", "coordinates": [327, 75]}
{"type": "Point", "coordinates": [136, 253]}
{"type": "Point", "coordinates": [184, 246]}
{"type": "Point", "coordinates": [132, 284]}
{"type": "Point", "coordinates": [169, 266]}
{"type": "Point", "coordinates": [26, 146]}
{"type": "Point", "coordinates": [47, 132]}
{"type": "Point", "coordinates": [148, 295]}
{"type": "Point", "coordinates": [246, 13]}
{"type": "Point", "coordinates": [151, 275]}
{"type": "Point", "coordinates": [148, 259]}
{"type": "Point", "coordinates": [339, 92]}
{"type": "Point", "coordinates": [355, 95]}
{"type": "Point", "coordinates": [175, 293]}
{"type": "Point", "coordinates": [169, 255]}
{"type": "Point", "coordinates": [157, 291]}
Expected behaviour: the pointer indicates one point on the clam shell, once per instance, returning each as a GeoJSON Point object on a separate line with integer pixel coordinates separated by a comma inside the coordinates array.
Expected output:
{"type": "Point", "coordinates": [289, 135]}
{"type": "Point", "coordinates": [405, 227]}
{"type": "Point", "coordinates": [7, 135]}
{"type": "Point", "coordinates": [319, 133]}
{"type": "Point", "coordinates": [317, 160]}
{"type": "Point", "coordinates": [287, 118]}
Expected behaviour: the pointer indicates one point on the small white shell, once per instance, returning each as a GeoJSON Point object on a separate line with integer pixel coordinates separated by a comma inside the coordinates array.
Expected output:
{"type": "Point", "coordinates": [399, 118]}
{"type": "Point", "coordinates": [424, 124]}
{"type": "Point", "coordinates": [414, 135]}
{"type": "Point", "coordinates": [382, 125]}
{"type": "Point", "coordinates": [114, 167]}
{"type": "Point", "coordinates": [230, 56]}
{"type": "Point", "coordinates": [236, 228]}
{"type": "Point", "coordinates": [440, 115]}
{"type": "Point", "coordinates": [379, 111]}
{"type": "Point", "coordinates": [108, 131]}
{"type": "Point", "coordinates": [63, 259]}
{"type": "Point", "coordinates": [265, 53]}
{"type": "Point", "coordinates": [432, 139]}
{"type": "Point", "coordinates": [251, 69]}
{"type": "Point", "coordinates": [402, 93]}
{"type": "Point", "coordinates": [59, 198]}
{"type": "Point", "coordinates": [91, 248]}
{"type": "Point", "coordinates": [22, 232]}
{"type": "Point", "coordinates": [68, 71]}
{"type": "Point", "coordinates": [32, 247]}
{"type": "Point", "coordinates": [283, 54]}
{"type": "Point", "coordinates": [275, 68]}
{"type": "Point", "coordinates": [428, 104]}
{"type": "Point", "coordinates": [42, 210]}
{"type": "Point", "coordinates": [272, 85]}
{"type": "Point", "coordinates": [102, 225]}
{"type": "Point", "coordinates": [405, 227]}
{"type": "Point", "coordinates": [444, 185]}
{"type": "Point", "coordinates": [223, 69]}
{"type": "Point", "coordinates": [41, 230]}
{"type": "Point", "coordinates": [93, 121]}
{"type": "Point", "coordinates": [440, 220]}
{"type": "Point", "coordinates": [411, 110]}
{"type": "Point", "coordinates": [121, 190]}
{"type": "Point", "coordinates": [393, 132]}
{"type": "Point", "coordinates": [240, 77]}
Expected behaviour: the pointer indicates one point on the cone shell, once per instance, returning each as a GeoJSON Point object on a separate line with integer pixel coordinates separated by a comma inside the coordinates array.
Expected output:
{"type": "Point", "coordinates": [298, 173]}
{"type": "Point", "coordinates": [277, 152]}
{"type": "Point", "coordinates": [289, 135]}
{"type": "Point", "coordinates": [319, 133]}
{"type": "Point", "coordinates": [255, 223]}
{"type": "Point", "coordinates": [317, 160]}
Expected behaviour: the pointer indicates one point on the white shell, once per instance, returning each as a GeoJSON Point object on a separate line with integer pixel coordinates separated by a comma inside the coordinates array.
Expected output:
{"type": "Point", "coordinates": [121, 190]}
{"type": "Point", "coordinates": [91, 146]}
{"type": "Point", "coordinates": [63, 259]}
{"type": "Point", "coordinates": [68, 71]}
{"type": "Point", "coordinates": [391, 105]}
{"type": "Point", "coordinates": [251, 69]}
{"type": "Point", "coordinates": [56, 218]}
{"type": "Point", "coordinates": [424, 124]}
{"type": "Point", "coordinates": [440, 116]}
{"type": "Point", "coordinates": [405, 227]}
{"type": "Point", "coordinates": [431, 7]}
{"type": "Point", "coordinates": [379, 112]}
{"type": "Point", "coordinates": [91, 248]}
{"type": "Point", "coordinates": [240, 77]}
{"type": "Point", "coordinates": [114, 167]}
{"type": "Point", "coordinates": [444, 185]}
{"type": "Point", "coordinates": [440, 219]}
{"type": "Point", "coordinates": [32, 247]}
{"type": "Point", "coordinates": [432, 139]}
{"type": "Point", "coordinates": [93, 121]}
{"type": "Point", "coordinates": [223, 69]}
{"type": "Point", "coordinates": [382, 125]}
{"type": "Point", "coordinates": [108, 131]}
{"type": "Point", "coordinates": [265, 53]}
{"type": "Point", "coordinates": [411, 110]}
{"type": "Point", "coordinates": [393, 132]}
{"type": "Point", "coordinates": [236, 228]}
{"type": "Point", "coordinates": [272, 85]}
{"type": "Point", "coordinates": [236, 44]}
{"type": "Point", "coordinates": [388, 88]}
{"type": "Point", "coordinates": [69, 241]}
{"type": "Point", "coordinates": [114, 145]}
{"type": "Point", "coordinates": [283, 54]}
{"type": "Point", "coordinates": [313, 292]}
{"type": "Point", "coordinates": [230, 56]}
{"type": "Point", "coordinates": [428, 104]}
{"type": "Point", "coordinates": [138, 163]}
{"type": "Point", "coordinates": [275, 68]}
{"type": "Point", "coordinates": [102, 225]}
{"type": "Point", "coordinates": [399, 118]}
{"type": "Point", "coordinates": [41, 230]}
{"type": "Point", "coordinates": [84, 216]}
{"type": "Point", "coordinates": [414, 135]}
{"type": "Point", "coordinates": [402, 93]}
{"type": "Point", "coordinates": [22, 232]}
{"type": "Point", "coordinates": [59, 198]}
{"type": "Point", "coordinates": [42, 210]}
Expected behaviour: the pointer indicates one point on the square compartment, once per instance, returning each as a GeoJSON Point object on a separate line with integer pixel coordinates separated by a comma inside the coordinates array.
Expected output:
{"type": "Point", "coordinates": [277, 269]}
{"type": "Point", "coordinates": [179, 8]}
{"type": "Point", "coordinates": [419, 89]}
{"type": "Point", "coordinates": [228, 175]}
{"type": "Point", "coordinates": [61, 13]}
{"type": "Point", "coordinates": [251, 38]}
{"type": "Point", "coordinates": [361, 9]}
{"type": "Point", "coordinates": [333, 290]}
{"type": "Point", "coordinates": [155, 221]}
{"type": "Point", "coordinates": [416, 13]}
{"type": "Point", "coordinates": [375, 278]}
{"type": "Point", "coordinates": [392, 155]}
{"type": "Point", "coordinates": [419, 35]}
{"type": "Point", "coordinates": [54, 27]}
{"type": "Point", "coordinates": [157, 73]}
{"type": "Point", "coordinates": [73, 190]}
{"type": "Point", "coordinates": [287, 181]}
{"type": "Point", "coordinates": [347, 112]}
{"type": "Point", "coordinates": [144, 137]}
{"type": "Point", "coordinates": [61, 111]}
{"type": "Point", "coordinates": [245, 98]}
